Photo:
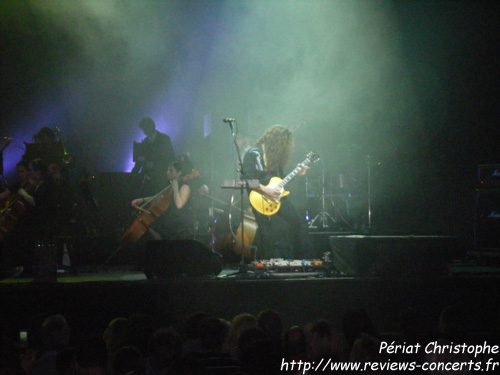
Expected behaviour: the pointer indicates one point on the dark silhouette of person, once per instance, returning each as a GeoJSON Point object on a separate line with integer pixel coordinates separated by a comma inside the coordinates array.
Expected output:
{"type": "Point", "coordinates": [152, 157]}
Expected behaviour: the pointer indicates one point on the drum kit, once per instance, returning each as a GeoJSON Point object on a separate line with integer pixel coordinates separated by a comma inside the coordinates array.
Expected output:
{"type": "Point", "coordinates": [340, 200]}
{"type": "Point", "coordinates": [330, 199]}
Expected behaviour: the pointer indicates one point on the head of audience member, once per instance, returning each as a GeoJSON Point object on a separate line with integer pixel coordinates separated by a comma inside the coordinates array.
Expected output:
{"type": "Point", "coordinates": [192, 325]}
{"type": "Point", "coordinates": [295, 343]}
{"type": "Point", "coordinates": [55, 333]}
{"type": "Point", "coordinates": [249, 337]}
{"type": "Point", "coordinates": [191, 328]}
{"type": "Point", "coordinates": [213, 334]}
{"type": "Point", "coordinates": [139, 331]}
{"type": "Point", "coordinates": [270, 322]}
{"type": "Point", "coordinates": [166, 347]}
{"type": "Point", "coordinates": [115, 334]}
{"type": "Point", "coordinates": [321, 339]}
{"type": "Point", "coordinates": [242, 322]}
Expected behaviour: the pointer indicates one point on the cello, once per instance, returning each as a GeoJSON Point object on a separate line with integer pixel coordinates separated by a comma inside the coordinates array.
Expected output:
{"type": "Point", "coordinates": [151, 210]}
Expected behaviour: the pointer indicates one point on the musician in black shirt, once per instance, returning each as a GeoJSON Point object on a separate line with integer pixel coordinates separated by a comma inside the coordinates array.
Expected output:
{"type": "Point", "coordinates": [152, 157]}
{"type": "Point", "coordinates": [282, 235]}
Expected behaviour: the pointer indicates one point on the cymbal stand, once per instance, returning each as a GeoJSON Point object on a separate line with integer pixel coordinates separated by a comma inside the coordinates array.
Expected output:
{"type": "Point", "coordinates": [323, 216]}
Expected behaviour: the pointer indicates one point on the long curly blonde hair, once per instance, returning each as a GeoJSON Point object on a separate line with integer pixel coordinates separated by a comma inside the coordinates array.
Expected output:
{"type": "Point", "coordinates": [278, 146]}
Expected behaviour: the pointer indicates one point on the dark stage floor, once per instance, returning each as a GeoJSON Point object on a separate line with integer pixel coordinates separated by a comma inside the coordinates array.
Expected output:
{"type": "Point", "coordinates": [388, 276]}
{"type": "Point", "coordinates": [91, 298]}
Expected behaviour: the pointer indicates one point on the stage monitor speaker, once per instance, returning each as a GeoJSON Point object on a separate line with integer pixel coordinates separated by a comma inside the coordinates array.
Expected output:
{"type": "Point", "coordinates": [175, 258]}
{"type": "Point", "coordinates": [392, 256]}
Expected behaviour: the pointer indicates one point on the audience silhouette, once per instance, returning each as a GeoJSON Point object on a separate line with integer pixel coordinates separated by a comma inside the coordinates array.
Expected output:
{"type": "Point", "coordinates": [210, 345]}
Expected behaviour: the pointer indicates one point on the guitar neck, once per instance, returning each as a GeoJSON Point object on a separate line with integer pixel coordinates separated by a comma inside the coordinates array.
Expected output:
{"type": "Point", "coordinates": [293, 173]}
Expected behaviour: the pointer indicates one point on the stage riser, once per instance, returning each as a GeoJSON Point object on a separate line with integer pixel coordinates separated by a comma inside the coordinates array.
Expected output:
{"type": "Point", "coordinates": [397, 257]}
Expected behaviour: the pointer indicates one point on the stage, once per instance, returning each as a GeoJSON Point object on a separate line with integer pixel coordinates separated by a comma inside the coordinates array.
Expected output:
{"type": "Point", "coordinates": [93, 296]}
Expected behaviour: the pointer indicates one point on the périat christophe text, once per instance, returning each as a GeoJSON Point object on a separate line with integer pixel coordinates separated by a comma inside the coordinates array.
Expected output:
{"type": "Point", "coordinates": [474, 352]}
{"type": "Point", "coordinates": [435, 348]}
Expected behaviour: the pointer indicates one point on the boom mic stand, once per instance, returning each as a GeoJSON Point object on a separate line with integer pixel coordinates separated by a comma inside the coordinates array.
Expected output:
{"type": "Point", "coordinates": [243, 185]}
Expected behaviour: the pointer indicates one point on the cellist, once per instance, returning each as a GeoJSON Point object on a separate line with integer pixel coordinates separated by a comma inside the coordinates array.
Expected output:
{"type": "Point", "coordinates": [35, 222]}
{"type": "Point", "coordinates": [176, 222]}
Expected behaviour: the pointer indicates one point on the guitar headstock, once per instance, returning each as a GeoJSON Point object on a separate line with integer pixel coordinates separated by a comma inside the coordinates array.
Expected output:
{"type": "Point", "coordinates": [313, 156]}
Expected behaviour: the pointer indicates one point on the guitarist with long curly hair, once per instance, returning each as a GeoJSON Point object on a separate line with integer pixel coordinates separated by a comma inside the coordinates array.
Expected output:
{"type": "Point", "coordinates": [276, 231]}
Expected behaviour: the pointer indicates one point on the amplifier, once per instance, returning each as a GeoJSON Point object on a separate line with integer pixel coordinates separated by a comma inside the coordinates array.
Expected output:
{"type": "Point", "coordinates": [487, 219]}
{"type": "Point", "coordinates": [489, 175]}
{"type": "Point", "coordinates": [393, 257]}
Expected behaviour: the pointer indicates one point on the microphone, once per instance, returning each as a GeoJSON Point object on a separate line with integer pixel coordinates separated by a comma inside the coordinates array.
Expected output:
{"type": "Point", "coordinates": [229, 120]}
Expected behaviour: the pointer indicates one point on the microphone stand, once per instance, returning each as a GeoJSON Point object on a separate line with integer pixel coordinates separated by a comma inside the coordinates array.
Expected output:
{"type": "Point", "coordinates": [243, 186]}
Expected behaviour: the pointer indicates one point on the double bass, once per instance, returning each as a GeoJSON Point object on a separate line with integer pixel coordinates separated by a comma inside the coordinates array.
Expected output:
{"type": "Point", "coordinates": [224, 239]}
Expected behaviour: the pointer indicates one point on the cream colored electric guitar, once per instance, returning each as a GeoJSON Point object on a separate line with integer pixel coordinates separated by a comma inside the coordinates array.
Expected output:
{"type": "Point", "coordinates": [268, 206]}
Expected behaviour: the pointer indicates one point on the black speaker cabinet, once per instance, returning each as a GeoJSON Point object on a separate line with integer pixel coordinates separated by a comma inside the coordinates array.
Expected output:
{"type": "Point", "coordinates": [392, 256]}
{"type": "Point", "coordinates": [45, 261]}
{"type": "Point", "coordinates": [175, 258]}
{"type": "Point", "coordinates": [487, 219]}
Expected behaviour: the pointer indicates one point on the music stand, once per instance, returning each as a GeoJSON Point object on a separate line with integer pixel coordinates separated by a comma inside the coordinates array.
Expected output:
{"type": "Point", "coordinates": [139, 152]}
{"type": "Point", "coordinates": [49, 152]}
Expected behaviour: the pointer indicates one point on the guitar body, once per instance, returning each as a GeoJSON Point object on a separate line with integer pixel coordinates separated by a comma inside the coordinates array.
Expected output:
{"type": "Point", "coordinates": [265, 205]}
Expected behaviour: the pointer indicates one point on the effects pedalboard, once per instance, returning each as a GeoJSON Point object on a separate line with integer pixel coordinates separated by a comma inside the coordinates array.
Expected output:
{"type": "Point", "coordinates": [297, 267]}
